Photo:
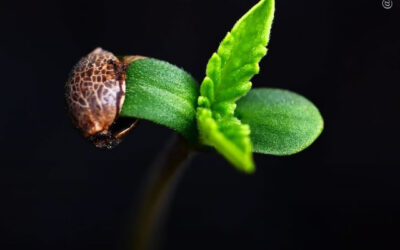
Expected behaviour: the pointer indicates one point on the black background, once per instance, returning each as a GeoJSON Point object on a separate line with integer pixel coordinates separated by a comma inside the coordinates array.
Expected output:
{"type": "Point", "coordinates": [59, 192]}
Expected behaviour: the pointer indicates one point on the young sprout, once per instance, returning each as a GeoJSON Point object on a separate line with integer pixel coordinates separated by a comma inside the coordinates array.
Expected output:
{"type": "Point", "coordinates": [106, 96]}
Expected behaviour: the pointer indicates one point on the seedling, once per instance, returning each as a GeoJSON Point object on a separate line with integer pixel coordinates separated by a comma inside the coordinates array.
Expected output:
{"type": "Point", "coordinates": [106, 96]}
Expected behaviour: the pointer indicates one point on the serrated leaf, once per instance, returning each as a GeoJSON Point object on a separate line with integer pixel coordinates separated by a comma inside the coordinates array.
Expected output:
{"type": "Point", "coordinates": [162, 93]}
{"type": "Point", "coordinates": [281, 122]}
{"type": "Point", "coordinates": [228, 75]}
{"type": "Point", "coordinates": [229, 137]}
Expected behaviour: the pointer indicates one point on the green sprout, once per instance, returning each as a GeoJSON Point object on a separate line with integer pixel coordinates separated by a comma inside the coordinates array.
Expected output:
{"type": "Point", "coordinates": [230, 117]}
{"type": "Point", "coordinates": [223, 113]}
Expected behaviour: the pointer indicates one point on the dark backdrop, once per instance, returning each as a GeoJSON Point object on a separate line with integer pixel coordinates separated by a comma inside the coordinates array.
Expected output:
{"type": "Point", "coordinates": [59, 192]}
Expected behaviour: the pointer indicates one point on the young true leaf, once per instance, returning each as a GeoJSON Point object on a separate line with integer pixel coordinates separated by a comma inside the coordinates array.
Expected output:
{"type": "Point", "coordinates": [281, 122]}
{"type": "Point", "coordinates": [162, 93]}
{"type": "Point", "coordinates": [228, 73]}
{"type": "Point", "coordinates": [229, 137]}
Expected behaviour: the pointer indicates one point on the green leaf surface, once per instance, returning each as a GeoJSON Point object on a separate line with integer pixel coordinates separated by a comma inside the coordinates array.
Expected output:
{"type": "Point", "coordinates": [162, 93]}
{"type": "Point", "coordinates": [229, 137]}
{"type": "Point", "coordinates": [228, 75]}
{"type": "Point", "coordinates": [281, 122]}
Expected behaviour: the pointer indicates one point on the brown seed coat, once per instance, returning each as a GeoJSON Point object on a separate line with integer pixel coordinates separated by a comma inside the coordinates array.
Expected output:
{"type": "Point", "coordinates": [95, 92]}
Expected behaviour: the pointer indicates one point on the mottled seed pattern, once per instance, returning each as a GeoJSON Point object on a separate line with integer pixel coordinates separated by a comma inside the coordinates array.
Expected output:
{"type": "Point", "coordinates": [95, 92]}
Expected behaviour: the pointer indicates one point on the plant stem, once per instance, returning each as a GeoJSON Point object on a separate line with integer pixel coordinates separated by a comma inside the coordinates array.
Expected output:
{"type": "Point", "coordinates": [164, 175]}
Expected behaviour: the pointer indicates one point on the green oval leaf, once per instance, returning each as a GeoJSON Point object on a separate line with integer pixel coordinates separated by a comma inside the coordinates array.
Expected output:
{"type": "Point", "coordinates": [162, 93]}
{"type": "Point", "coordinates": [281, 122]}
